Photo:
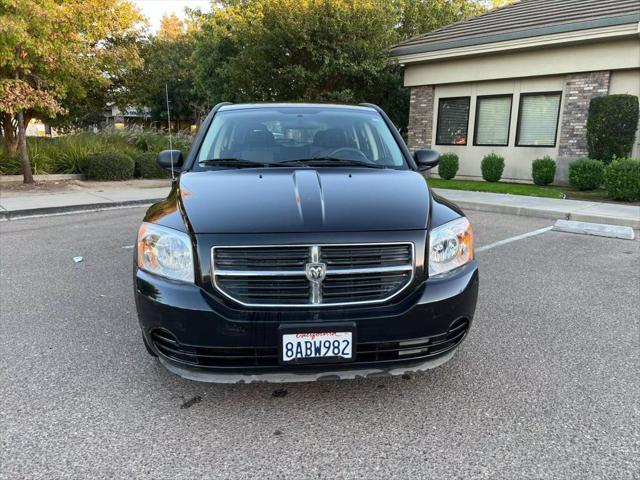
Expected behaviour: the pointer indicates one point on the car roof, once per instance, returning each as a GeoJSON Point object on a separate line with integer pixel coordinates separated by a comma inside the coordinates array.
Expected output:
{"type": "Point", "coordinates": [332, 106]}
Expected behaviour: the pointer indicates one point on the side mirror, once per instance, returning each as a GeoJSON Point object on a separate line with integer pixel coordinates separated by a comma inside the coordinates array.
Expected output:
{"type": "Point", "coordinates": [165, 156]}
{"type": "Point", "coordinates": [426, 159]}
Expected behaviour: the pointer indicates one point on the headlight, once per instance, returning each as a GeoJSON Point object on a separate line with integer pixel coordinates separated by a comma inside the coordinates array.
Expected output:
{"type": "Point", "coordinates": [165, 252]}
{"type": "Point", "coordinates": [450, 246]}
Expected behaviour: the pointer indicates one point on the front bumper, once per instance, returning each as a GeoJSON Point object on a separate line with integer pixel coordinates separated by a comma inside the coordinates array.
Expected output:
{"type": "Point", "coordinates": [202, 337]}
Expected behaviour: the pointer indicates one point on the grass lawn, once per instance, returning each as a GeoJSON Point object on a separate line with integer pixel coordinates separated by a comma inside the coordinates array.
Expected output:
{"type": "Point", "coordinates": [550, 191]}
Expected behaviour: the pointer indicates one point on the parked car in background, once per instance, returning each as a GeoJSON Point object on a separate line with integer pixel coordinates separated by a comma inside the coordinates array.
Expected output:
{"type": "Point", "coordinates": [302, 242]}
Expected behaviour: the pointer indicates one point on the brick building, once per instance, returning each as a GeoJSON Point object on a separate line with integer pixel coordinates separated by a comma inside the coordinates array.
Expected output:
{"type": "Point", "coordinates": [518, 80]}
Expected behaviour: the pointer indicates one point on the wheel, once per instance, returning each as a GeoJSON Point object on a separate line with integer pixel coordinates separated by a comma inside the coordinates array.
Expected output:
{"type": "Point", "coordinates": [148, 347]}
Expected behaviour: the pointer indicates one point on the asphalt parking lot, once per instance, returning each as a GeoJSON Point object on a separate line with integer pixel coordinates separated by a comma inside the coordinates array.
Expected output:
{"type": "Point", "coordinates": [545, 386]}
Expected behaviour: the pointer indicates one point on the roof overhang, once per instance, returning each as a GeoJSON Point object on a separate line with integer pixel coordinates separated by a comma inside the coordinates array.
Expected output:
{"type": "Point", "coordinates": [619, 27]}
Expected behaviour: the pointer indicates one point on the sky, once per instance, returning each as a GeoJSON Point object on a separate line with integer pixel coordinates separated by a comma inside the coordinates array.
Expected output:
{"type": "Point", "coordinates": [154, 9]}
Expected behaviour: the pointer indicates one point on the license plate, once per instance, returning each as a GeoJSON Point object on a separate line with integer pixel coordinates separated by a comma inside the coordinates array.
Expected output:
{"type": "Point", "coordinates": [309, 347]}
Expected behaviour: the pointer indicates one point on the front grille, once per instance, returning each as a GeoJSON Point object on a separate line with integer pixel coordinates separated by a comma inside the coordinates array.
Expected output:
{"type": "Point", "coordinates": [280, 275]}
{"type": "Point", "coordinates": [366, 352]}
{"type": "Point", "coordinates": [363, 256]}
{"type": "Point", "coordinates": [282, 289]}
{"type": "Point", "coordinates": [362, 287]}
{"type": "Point", "coordinates": [259, 258]}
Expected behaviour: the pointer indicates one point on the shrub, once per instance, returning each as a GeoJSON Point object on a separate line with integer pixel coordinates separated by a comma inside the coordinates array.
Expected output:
{"type": "Point", "coordinates": [147, 167]}
{"type": "Point", "coordinates": [9, 164]}
{"type": "Point", "coordinates": [611, 126]}
{"type": "Point", "coordinates": [586, 174]}
{"type": "Point", "coordinates": [492, 167]}
{"type": "Point", "coordinates": [109, 166]}
{"type": "Point", "coordinates": [543, 171]}
{"type": "Point", "coordinates": [69, 153]}
{"type": "Point", "coordinates": [448, 166]}
{"type": "Point", "coordinates": [622, 179]}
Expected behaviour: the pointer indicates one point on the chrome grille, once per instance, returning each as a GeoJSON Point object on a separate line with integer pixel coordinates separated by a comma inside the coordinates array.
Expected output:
{"type": "Point", "coordinates": [346, 274]}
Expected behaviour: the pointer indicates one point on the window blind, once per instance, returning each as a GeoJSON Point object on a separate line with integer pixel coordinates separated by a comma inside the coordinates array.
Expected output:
{"type": "Point", "coordinates": [538, 120]}
{"type": "Point", "coordinates": [453, 121]}
{"type": "Point", "coordinates": [492, 121]}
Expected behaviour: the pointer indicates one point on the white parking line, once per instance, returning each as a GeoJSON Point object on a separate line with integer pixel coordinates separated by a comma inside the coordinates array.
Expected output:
{"type": "Point", "coordinates": [513, 239]}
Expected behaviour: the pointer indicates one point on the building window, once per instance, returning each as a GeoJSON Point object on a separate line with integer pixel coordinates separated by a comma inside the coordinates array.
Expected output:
{"type": "Point", "coordinates": [538, 119]}
{"type": "Point", "coordinates": [453, 121]}
{"type": "Point", "coordinates": [493, 117]}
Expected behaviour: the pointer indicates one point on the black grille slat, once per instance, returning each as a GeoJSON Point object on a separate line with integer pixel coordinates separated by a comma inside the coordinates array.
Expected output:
{"type": "Point", "coordinates": [275, 258]}
{"type": "Point", "coordinates": [363, 256]}
{"type": "Point", "coordinates": [358, 288]}
{"type": "Point", "coordinates": [266, 289]}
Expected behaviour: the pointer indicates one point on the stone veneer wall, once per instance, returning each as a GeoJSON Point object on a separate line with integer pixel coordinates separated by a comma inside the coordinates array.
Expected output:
{"type": "Point", "coordinates": [579, 89]}
{"type": "Point", "coordinates": [421, 117]}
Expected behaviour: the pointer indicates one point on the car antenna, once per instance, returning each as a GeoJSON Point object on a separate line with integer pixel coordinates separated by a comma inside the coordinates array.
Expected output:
{"type": "Point", "coordinates": [166, 93]}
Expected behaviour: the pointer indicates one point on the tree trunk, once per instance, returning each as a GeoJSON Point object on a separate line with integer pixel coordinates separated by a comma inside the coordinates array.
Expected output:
{"type": "Point", "coordinates": [24, 153]}
{"type": "Point", "coordinates": [9, 133]}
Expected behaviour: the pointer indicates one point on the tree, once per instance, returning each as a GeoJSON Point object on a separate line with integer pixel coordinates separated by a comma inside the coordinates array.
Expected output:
{"type": "Point", "coordinates": [53, 53]}
{"type": "Point", "coordinates": [167, 60]}
{"type": "Point", "coordinates": [500, 3]}
{"type": "Point", "coordinates": [417, 17]}
{"type": "Point", "coordinates": [171, 27]}
{"type": "Point", "coordinates": [313, 50]}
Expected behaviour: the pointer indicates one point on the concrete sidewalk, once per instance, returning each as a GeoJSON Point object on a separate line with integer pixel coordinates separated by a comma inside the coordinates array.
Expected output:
{"type": "Point", "coordinates": [578, 210]}
{"type": "Point", "coordinates": [82, 196]}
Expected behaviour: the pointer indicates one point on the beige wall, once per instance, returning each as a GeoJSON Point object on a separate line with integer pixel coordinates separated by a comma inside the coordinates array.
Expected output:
{"type": "Point", "coordinates": [612, 55]}
{"type": "Point", "coordinates": [627, 81]}
{"type": "Point", "coordinates": [524, 71]}
{"type": "Point", "coordinates": [517, 159]}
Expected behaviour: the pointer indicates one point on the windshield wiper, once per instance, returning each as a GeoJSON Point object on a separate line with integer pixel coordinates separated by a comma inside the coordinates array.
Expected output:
{"type": "Point", "coordinates": [331, 161]}
{"type": "Point", "coordinates": [235, 162]}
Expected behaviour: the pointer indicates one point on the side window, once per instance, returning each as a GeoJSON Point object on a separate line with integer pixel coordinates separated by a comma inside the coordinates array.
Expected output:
{"type": "Point", "coordinates": [538, 119]}
{"type": "Point", "coordinates": [453, 121]}
{"type": "Point", "coordinates": [493, 117]}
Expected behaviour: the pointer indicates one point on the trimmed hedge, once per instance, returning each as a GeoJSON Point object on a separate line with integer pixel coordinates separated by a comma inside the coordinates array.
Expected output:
{"type": "Point", "coordinates": [622, 179]}
{"type": "Point", "coordinates": [448, 166]}
{"type": "Point", "coordinates": [109, 166]}
{"type": "Point", "coordinates": [492, 166]}
{"type": "Point", "coordinates": [543, 170]}
{"type": "Point", "coordinates": [611, 126]}
{"type": "Point", "coordinates": [147, 167]}
{"type": "Point", "coordinates": [586, 174]}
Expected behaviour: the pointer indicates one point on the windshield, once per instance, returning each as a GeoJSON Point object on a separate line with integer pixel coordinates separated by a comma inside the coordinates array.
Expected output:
{"type": "Point", "coordinates": [286, 134]}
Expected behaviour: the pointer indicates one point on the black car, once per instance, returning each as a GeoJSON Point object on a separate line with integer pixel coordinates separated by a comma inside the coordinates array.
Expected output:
{"type": "Point", "coordinates": [301, 242]}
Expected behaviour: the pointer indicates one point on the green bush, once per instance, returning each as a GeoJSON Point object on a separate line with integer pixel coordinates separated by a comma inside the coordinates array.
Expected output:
{"type": "Point", "coordinates": [448, 166]}
{"type": "Point", "coordinates": [611, 126]}
{"type": "Point", "coordinates": [109, 166]}
{"type": "Point", "coordinates": [9, 164]}
{"type": "Point", "coordinates": [69, 153]}
{"type": "Point", "coordinates": [622, 179]}
{"type": "Point", "coordinates": [147, 167]}
{"type": "Point", "coordinates": [492, 167]}
{"type": "Point", "coordinates": [586, 173]}
{"type": "Point", "coordinates": [543, 170]}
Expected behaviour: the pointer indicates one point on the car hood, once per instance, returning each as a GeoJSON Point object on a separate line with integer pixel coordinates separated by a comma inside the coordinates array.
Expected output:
{"type": "Point", "coordinates": [281, 200]}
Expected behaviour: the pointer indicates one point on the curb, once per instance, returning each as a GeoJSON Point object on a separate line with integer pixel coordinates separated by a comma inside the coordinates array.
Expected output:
{"type": "Point", "coordinates": [57, 177]}
{"type": "Point", "coordinates": [549, 214]}
{"type": "Point", "coordinates": [68, 209]}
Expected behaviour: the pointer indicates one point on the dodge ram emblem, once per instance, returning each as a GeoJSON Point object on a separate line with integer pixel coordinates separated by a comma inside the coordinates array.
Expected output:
{"type": "Point", "coordinates": [315, 272]}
